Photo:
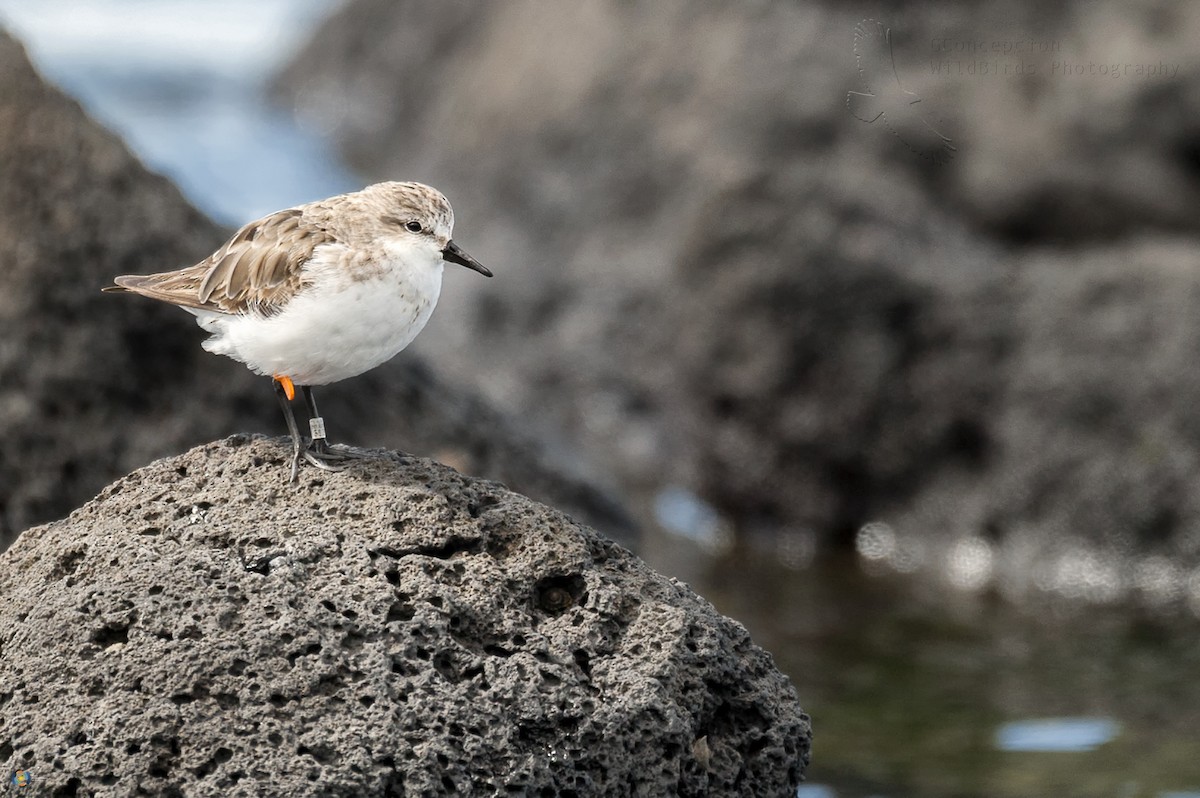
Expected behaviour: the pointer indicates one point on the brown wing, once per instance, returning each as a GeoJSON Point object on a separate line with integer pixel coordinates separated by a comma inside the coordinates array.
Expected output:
{"type": "Point", "coordinates": [256, 271]}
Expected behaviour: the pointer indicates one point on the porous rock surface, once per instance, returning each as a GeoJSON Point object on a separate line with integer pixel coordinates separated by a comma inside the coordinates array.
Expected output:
{"type": "Point", "coordinates": [93, 385]}
{"type": "Point", "coordinates": [203, 628]}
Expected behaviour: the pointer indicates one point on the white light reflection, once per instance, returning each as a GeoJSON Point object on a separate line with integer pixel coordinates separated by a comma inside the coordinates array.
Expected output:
{"type": "Point", "coordinates": [1160, 580]}
{"type": "Point", "coordinates": [1056, 734]}
{"type": "Point", "coordinates": [682, 512]}
{"type": "Point", "coordinates": [1083, 575]}
{"type": "Point", "coordinates": [815, 791]}
{"type": "Point", "coordinates": [970, 563]}
{"type": "Point", "coordinates": [876, 541]}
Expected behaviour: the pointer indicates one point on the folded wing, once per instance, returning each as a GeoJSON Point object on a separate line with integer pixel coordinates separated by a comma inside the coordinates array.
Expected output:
{"type": "Point", "coordinates": [257, 271]}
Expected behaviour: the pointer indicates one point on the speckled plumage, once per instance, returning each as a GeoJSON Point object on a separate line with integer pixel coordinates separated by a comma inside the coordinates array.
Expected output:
{"type": "Point", "coordinates": [320, 292]}
{"type": "Point", "coordinates": [324, 291]}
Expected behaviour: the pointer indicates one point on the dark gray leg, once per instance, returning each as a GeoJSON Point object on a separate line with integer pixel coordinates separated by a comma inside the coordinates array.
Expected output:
{"type": "Point", "coordinates": [293, 430]}
{"type": "Point", "coordinates": [318, 452]}
{"type": "Point", "coordinates": [316, 424]}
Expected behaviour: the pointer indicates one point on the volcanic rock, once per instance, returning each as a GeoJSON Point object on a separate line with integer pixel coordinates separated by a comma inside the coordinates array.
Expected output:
{"type": "Point", "coordinates": [204, 628]}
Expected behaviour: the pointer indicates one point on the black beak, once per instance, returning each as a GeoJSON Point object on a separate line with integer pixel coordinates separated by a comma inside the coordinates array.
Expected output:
{"type": "Point", "coordinates": [454, 253]}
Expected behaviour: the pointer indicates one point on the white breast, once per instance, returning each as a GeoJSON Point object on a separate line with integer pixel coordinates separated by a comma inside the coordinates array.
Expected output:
{"type": "Point", "coordinates": [341, 325]}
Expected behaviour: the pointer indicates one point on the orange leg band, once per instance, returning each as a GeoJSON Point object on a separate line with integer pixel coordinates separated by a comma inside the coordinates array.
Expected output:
{"type": "Point", "coordinates": [288, 387]}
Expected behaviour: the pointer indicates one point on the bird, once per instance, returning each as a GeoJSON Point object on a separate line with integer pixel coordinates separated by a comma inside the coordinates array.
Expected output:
{"type": "Point", "coordinates": [886, 98]}
{"type": "Point", "coordinates": [319, 293]}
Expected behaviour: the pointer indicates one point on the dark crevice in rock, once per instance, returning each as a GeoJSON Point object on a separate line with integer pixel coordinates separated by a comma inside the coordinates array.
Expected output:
{"type": "Point", "coordinates": [442, 551]}
{"type": "Point", "coordinates": [111, 635]}
{"type": "Point", "coordinates": [557, 594]}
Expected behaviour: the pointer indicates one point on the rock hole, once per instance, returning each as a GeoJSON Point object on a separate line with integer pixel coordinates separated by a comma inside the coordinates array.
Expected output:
{"type": "Point", "coordinates": [67, 564]}
{"type": "Point", "coordinates": [70, 788]}
{"type": "Point", "coordinates": [557, 594]}
{"type": "Point", "coordinates": [400, 611]}
{"type": "Point", "coordinates": [322, 753]}
{"type": "Point", "coordinates": [111, 635]}
{"type": "Point", "coordinates": [583, 661]}
{"type": "Point", "coordinates": [228, 701]}
{"type": "Point", "coordinates": [260, 565]}
{"type": "Point", "coordinates": [401, 667]}
{"type": "Point", "coordinates": [477, 507]}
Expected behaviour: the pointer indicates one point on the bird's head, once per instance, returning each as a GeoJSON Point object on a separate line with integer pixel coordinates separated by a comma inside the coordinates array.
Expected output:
{"type": "Point", "coordinates": [420, 216]}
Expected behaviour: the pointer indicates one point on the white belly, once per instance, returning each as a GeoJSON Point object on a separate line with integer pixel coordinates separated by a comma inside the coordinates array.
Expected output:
{"type": "Point", "coordinates": [335, 329]}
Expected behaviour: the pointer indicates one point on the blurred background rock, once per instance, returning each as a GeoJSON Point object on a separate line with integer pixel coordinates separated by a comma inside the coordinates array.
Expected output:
{"type": "Point", "coordinates": [718, 279]}
{"type": "Point", "coordinates": [917, 421]}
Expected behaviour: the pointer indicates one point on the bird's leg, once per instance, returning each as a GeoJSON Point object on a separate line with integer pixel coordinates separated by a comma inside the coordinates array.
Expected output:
{"type": "Point", "coordinates": [316, 424]}
{"type": "Point", "coordinates": [285, 392]}
{"type": "Point", "coordinates": [318, 452]}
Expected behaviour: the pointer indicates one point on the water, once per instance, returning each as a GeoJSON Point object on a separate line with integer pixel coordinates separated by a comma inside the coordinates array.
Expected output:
{"type": "Point", "coordinates": [919, 690]}
{"type": "Point", "coordinates": [1056, 734]}
{"type": "Point", "coordinates": [917, 686]}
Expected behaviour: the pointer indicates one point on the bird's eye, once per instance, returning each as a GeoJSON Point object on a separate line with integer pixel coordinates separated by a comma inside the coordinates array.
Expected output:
{"type": "Point", "coordinates": [413, 227]}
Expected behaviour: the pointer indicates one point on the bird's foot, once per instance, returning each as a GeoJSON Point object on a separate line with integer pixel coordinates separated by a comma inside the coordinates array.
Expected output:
{"type": "Point", "coordinates": [322, 455]}
{"type": "Point", "coordinates": [319, 454]}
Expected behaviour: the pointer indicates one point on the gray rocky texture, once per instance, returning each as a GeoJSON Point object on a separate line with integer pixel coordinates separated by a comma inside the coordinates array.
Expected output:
{"type": "Point", "coordinates": [861, 358]}
{"type": "Point", "coordinates": [202, 628]}
{"type": "Point", "coordinates": [717, 277]}
{"type": "Point", "coordinates": [1091, 470]}
{"type": "Point", "coordinates": [93, 385]}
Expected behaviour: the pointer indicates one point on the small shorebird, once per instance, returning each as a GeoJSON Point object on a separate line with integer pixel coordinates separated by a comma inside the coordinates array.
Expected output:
{"type": "Point", "coordinates": [320, 292]}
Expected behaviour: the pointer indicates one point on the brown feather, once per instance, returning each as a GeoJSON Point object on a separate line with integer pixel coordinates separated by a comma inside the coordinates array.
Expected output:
{"type": "Point", "coordinates": [257, 271]}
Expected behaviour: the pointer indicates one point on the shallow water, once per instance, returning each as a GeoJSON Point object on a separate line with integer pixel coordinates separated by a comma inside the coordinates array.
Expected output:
{"type": "Point", "coordinates": [919, 691]}
{"type": "Point", "coordinates": [915, 688]}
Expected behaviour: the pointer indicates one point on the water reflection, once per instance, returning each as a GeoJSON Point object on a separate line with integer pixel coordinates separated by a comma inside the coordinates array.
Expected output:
{"type": "Point", "coordinates": [917, 687]}
{"type": "Point", "coordinates": [815, 791]}
{"type": "Point", "coordinates": [1056, 734]}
